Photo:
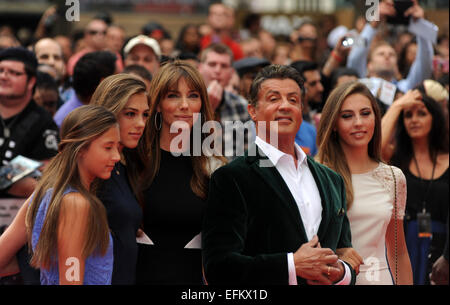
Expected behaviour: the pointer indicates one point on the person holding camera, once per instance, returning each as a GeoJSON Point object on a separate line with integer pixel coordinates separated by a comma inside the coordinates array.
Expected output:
{"type": "Point", "coordinates": [379, 59]}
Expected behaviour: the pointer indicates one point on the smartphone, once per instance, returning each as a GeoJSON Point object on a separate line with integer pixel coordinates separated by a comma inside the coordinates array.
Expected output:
{"type": "Point", "coordinates": [401, 6]}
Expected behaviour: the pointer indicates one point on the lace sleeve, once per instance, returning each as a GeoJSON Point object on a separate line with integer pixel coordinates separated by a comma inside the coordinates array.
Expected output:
{"type": "Point", "coordinates": [401, 192]}
{"type": "Point", "coordinates": [384, 174]}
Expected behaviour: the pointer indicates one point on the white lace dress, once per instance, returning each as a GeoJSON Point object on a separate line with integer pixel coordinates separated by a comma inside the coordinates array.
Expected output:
{"type": "Point", "coordinates": [369, 216]}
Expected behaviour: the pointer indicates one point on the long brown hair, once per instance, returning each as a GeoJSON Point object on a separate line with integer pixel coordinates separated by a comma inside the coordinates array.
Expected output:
{"type": "Point", "coordinates": [330, 151]}
{"type": "Point", "coordinates": [113, 93]}
{"type": "Point", "coordinates": [165, 79]}
{"type": "Point", "coordinates": [79, 129]}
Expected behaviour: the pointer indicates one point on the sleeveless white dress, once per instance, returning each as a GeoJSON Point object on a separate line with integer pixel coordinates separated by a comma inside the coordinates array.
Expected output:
{"type": "Point", "coordinates": [369, 216]}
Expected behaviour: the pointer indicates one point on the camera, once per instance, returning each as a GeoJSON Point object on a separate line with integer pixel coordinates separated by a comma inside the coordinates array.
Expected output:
{"type": "Point", "coordinates": [348, 42]}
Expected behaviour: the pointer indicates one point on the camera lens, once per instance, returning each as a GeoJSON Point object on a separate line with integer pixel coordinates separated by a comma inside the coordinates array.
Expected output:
{"type": "Point", "coordinates": [347, 42]}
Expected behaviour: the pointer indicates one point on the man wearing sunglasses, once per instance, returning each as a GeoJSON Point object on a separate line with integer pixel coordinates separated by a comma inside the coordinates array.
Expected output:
{"type": "Point", "coordinates": [95, 40]}
{"type": "Point", "coordinates": [304, 39]}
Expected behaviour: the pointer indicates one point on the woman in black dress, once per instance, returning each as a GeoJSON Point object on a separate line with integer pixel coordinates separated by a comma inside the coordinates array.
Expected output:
{"type": "Point", "coordinates": [421, 152]}
{"type": "Point", "coordinates": [176, 177]}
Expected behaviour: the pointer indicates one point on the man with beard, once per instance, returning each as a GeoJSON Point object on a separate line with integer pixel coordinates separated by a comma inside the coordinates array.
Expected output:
{"type": "Point", "coordinates": [26, 129]}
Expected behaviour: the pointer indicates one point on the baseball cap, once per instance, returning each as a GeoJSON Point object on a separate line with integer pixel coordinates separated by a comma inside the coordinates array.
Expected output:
{"type": "Point", "coordinates": [145, 40]}
{"type": "Point", "coordinates": [246, 64]}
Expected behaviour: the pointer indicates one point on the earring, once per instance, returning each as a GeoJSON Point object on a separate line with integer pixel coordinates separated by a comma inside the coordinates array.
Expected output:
{"type": "Point", "coordinates": [158, 125]}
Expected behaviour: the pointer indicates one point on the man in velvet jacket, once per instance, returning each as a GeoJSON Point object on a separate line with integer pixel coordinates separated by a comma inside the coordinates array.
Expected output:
{"type": "Point", "coordinates": [274, 215]}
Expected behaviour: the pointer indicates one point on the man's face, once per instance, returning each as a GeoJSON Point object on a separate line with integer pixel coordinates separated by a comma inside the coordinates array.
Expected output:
{"type": "Point", "coordinates": [216, 67]}
{"type": "Point", "coordinates": [247, 80]}
{"type": "Point", "coordinates": [95, 33]}
{"type": "Point", "coordinates": [14, 83]}
{"type": "Point", "coordinates": [218, 17]}
{"type": "Point", "coordinates": [279, 100]}
{"type": "Point", "coordinates": [383, 61]}
{"type": "Point", "coordinates": [313, 86]}
{"type": "Point", "coordinates": [252, 48]}
{"type": "Point", "coordinates": [144, 56]}
{"type": "Point", "coordinates": [50, 53]}
{"type": "Point", "coordinates": [309, 34]}
{"type": "Point", "coordinates": [115, 37]}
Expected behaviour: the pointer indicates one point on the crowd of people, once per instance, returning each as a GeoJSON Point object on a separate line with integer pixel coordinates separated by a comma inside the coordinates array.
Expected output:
{"type": "Point", "coordinates": [229, 156]}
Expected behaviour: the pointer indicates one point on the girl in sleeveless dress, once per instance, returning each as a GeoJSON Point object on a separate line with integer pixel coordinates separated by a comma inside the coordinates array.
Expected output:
{"type": "Point", "coordinates": [125, 96]}
{"type": "Point", "coordinates": [66, 223]}
{"type": "Point", "coordinates": [349, 138]}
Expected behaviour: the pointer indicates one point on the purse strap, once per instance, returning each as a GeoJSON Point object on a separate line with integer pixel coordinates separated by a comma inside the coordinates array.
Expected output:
{"type": "Point", "coordinates": [395, 224]}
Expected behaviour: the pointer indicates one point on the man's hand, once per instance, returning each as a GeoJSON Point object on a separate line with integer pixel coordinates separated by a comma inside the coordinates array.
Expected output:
{"type": "Point", "coordinates": [318, 265]}
{"type": "Point", "coordinates": [386, 8]}
{"type": "Point", "coordinates": [415, 11]}
{"type": "Point", "coordinates": [350, 256]}
{"type": "Point", "coordinates": [341, 50]}
{"type": "Point", "coordinates": [215, 92]}
{"type": "Point", "coordinates": [439, 273]}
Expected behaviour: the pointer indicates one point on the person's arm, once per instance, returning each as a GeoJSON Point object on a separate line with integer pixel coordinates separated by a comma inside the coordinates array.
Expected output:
{"type": "Point", "coordinates": [40, 29]}
{"type": "Point", "coordinates": [404, 270]}
{"type": "Point", "coordinates": [14, 237]}
{"type": "Point", "coordinates": [357, 59]}
{"type": "Point", "coordinates": [224, 234]}
{"type": "Point", "coordinates": [390, 118]}
{"type": "Point", "coordinates": [337, 56]}
{"type": "Point", "coordinates": [72, 225]}
{"type": "Point", "coordinates": [224, 238]}
{"type": "Point", "coordinates": [23, 188]}
{"type": "Point", "coordinates": [440, 270]}
{"type": "Point", "coordinates": [421, 68]}
{"type": "Point", "coordinates": [397, 252]}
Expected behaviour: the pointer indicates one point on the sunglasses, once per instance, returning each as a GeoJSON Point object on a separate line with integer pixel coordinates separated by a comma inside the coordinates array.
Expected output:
{"type": "Point", "coordinates": [94, 32]}
{"type": "Point", "coordinates": [301, 39]}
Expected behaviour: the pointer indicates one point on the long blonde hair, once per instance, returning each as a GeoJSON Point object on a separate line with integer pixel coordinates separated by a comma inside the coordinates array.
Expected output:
{"type": "Point", "coordinates": [79, 129]}
{"type": "Point", "coordinates": [330, 151]}
{"type": "Point", "coordinates": [165, 79]}
{"type": "Point", "coordinates": [113, 93]}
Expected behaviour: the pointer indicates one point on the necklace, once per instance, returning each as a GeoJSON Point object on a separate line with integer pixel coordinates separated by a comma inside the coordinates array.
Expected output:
{"type": "Point", "coordinates": [422, 180]}
{"type": "Point", "coordinates": [6, 127]}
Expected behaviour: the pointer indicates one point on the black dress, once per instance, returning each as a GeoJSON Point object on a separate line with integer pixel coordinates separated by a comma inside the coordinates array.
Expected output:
{"type": "Point", "coordinates": [172, 218]}
{"type": "Point", "coordinates": [124, 219]}
{"type": "Point", "coordinates": [423, 252]}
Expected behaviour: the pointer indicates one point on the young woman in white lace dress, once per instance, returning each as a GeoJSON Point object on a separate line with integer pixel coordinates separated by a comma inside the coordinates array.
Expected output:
{"type": "Point", "coordinates": [349, 138]}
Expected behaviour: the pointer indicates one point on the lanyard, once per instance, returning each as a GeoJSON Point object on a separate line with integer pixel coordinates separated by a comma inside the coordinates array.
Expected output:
{"type": "Point", "coordinates": [422, 181]}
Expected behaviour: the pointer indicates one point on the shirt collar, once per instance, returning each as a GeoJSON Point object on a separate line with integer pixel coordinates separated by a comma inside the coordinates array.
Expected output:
{"type": "Point", "coordinates": [274, 154]}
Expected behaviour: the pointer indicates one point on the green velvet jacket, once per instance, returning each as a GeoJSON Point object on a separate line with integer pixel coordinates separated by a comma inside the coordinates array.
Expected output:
{"type": "Point", "coordinates": [252, 221]}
